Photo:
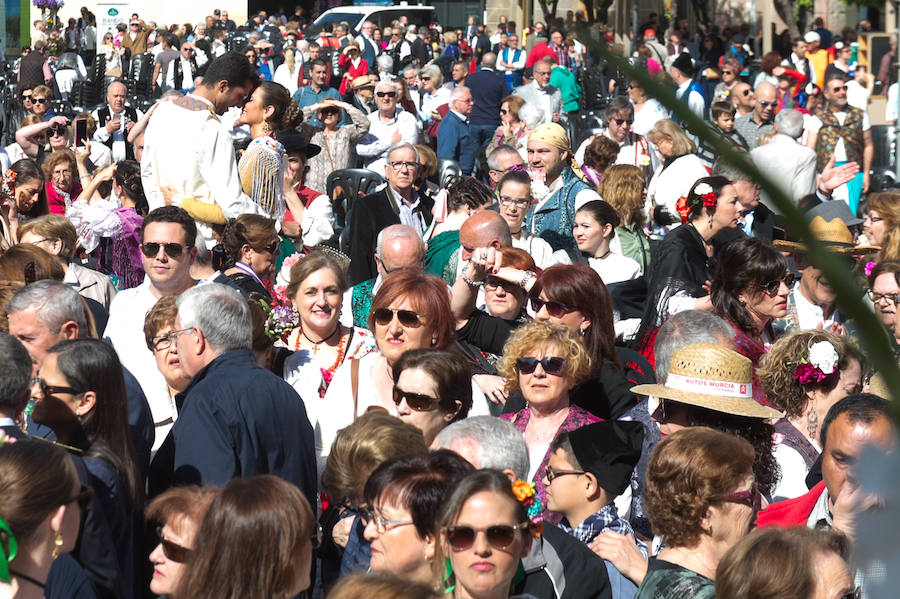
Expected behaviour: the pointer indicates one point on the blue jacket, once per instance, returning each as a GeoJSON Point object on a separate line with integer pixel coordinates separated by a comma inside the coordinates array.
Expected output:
{"type": "Point", "coordinates": [488, 88]}
{"type": "Point", "coordinates": [237, 419]}
{"type": "Point", "coordinates": [554, 220]}
{"type": "Point", "coordinates": [454, 142]}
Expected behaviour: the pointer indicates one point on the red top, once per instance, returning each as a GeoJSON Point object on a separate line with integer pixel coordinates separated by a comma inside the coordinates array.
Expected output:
{"type": "Point", "coordinates": [793, 512]}
{"type": "Point", "coordinates": [351, 72]}
{"type": "Point", "coordinates": [539, 51]}
{"type": "Point", "coordinates": [56, 201]}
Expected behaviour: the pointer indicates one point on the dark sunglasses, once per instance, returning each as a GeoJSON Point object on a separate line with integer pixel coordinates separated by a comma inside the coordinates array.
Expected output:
{"type": "Point", "coordinates": [772, 286]}
{"type": "Point", "coordinates": [59, 130]}
{"type": "Point", "coordinates": [551, 365]}
{"type": "Point", "coordinates": [39, 100]}
{"type": "Point", "coordinates": [415, 401]}
{"type": "Point", "coordinates": [151, 249]}
{"type": "Point", "coordinates": [499, 536]}
{"type": "Point", "coordinates": [327, 111]}
{"type": "Point", "coordinates": [272, 248]}
{"type": "Point", "coordinates": [49, 390]}
{"type": "Point", "coordinates": [171, 550]}
{"type": "Point", "coordinates": [26, 98]}
{"type": "Point", "coordinates": [837, 89]}
{"type": "Point", "coordinates": [386, 94]}
{"type": "Point", "coordinates": [554, 309]}
{"type": "Point", "coordinates": [768, 104]}
{"type": "Point", "coordinates": [746, 92]}
{"type": "Point", "coordinates": [620, 122]}
{"type": "Point", "coordinates": [752, 498]}
{"type": "Point", "coordinates": [408, 318]}
{"type": "Point", "coordinates": [491, 282]}
{"type": "Point", "coordinates": [84, 498]}
{"type": "Point", "coordinates": [551, 473]}
{"type": "Point", "coordinates": [728, 72]}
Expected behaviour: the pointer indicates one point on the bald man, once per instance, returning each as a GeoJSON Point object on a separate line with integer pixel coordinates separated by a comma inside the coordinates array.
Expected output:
{"type": "Point", "coordinates": [483, 229]}
{"type": "Point", "coordinates": [760, 121]}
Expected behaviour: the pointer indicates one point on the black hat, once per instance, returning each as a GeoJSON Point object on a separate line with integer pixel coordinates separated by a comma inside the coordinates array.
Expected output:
{"type": "Point", "coordinates": [294, 141]}
{"type": "Point", "coordinates": [609, 450]}
{"type": "Point", "coordinates": [684, 64]}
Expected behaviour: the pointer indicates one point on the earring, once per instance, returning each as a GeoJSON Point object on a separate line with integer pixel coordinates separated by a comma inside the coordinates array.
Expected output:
{"type": "Point", "coordinates": [812, 422]}
{"type": "Point", "coordinates": [266, 128]}
{"type": "Point", "coordinates": [582, 331]}
{"type": "Point", "coordinates": [434, 341]}
{"type": "Point", "coordinates": [57, 545]}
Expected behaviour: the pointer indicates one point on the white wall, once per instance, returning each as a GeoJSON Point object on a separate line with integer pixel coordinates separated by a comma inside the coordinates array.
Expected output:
{"type": "Point", "coordinates": [161, 11]}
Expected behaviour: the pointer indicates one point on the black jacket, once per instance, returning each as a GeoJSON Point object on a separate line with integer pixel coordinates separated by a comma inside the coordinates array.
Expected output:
{"type": "Point", "coordinates": [488, 88]}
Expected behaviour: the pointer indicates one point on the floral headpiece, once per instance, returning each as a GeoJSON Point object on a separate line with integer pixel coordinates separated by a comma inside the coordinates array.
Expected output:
{"type": "Point", "coordinates": [9, 183]}
{"type": "Point", "coordinates": [702, 193]}
{"type": "Point", "coordinates": [280, 320]}
{"type": "Point", "coordinates": [820, 366]}
{"type": "Point", "coordinates": [279, 292]}
{"type": "Point", "coordinates": [870, 266]}
{"type": "Point", "coordinates": [527, 495]}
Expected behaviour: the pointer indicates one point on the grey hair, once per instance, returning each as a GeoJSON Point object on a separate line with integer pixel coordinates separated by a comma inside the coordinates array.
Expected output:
{"type": "Point", "coordinates": [385, 63]}
{"type": "Point", "coordinates": [398, 232]}
{"type": "Point", "coordinates": [434, 72]}
{"type": "Point", "coordinates": [458, 92]}
{"type": "Point", "coordinates": [789, 122]}
{"type": "Point", "coordinates": [15, 376]}
{"type": "Point", "coordinates": [400, 146]}
{"type": "Point", "coordinates": [55, 304]}
{"type": "Point", "coordinates": [498, 444]}
{"type": "Point", "coordinates": [493, 158]}
{"type": "Point", "coordinates": [686, 328]}
{"type": "Point", "coordinates": [723, 168]}
{"type": "Point", "coordinates": [410, 67]}
{"type": "Point", "coordinates": [220, 313]}
{"type": "Point", "coordinates": [531, 115]}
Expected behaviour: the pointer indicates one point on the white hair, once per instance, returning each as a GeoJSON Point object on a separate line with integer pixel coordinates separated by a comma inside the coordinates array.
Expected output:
{"type": "Point", "coordinates": [220, 312]}
{"type": "Point", "coordinates": [497, 443]}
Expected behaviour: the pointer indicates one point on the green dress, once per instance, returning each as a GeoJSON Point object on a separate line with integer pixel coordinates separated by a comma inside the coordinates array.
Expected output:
{"type": "Point", "coordinates": [442, 249]}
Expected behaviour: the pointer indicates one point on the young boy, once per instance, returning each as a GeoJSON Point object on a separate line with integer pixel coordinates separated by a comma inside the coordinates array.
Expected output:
{"type": "Point", "coordinates": [722, 114]}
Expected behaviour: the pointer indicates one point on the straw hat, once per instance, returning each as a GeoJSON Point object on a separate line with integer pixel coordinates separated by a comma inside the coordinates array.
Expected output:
{"type": "Point", "coordinates": [711, 376]}
{"type": "Point", "coordinates": [833, 233]}
{"type": "Point", "coordinates": [361, 82]}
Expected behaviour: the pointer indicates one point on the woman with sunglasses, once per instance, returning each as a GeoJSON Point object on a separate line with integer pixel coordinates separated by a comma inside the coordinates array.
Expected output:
{"type": "Point", "coordinates": [261, 514]}
{"type": "Point", "coordinates": [512, 130]}
{"type": "Point", "coordinates": [335, 140]}
{"type": "Point", "coordinates": [702, 497]}
{"type": "Point", "coordinates": [80, 395]}
{"type": "Point", "coordinates": [251, 246]}
{"type": "Point", "coordinates": [544, 362]}
{"type": "Point", "coordinates": [179, 512]}
{"type": "Point", "coordinates": [404, 497]}
{"type": "Point", "coordinates": [25, 182]}
{"type": "Point", "coordinates": [33, 137]}
{"type": "Point", "coordinates": [485, 532]}
{"type": "Point", "coordinates": [109, 230]}
{"type": "Point", "coordinates": [112, 53]}
{"type": "Point", "coordinates": [790, 382]}
{"type": "Point", "coordinates": [432, 94]}
{"type": "Point", "coordinates": [41, 506]}
{"type": "Point", "coordinates": [427, 392]}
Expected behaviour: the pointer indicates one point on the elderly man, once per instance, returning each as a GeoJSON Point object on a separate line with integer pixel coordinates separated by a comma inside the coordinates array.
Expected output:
{"type": "Point", "coordinates": [135, 39]}
{"type": "Point", "coordinates": [237, 418]}
{"type": "Point", "coordinates": [634, 149]}
{"type": "Point", "coordinates": [389, 126]}
{"type": "Point", "coordinates": [550, 157]}
{"type": "Point", "coordinates": [794, 163]}
{"type": "Point", "coordinates": [455, 139]}
{"type": "Point", "coordinates": [368, 47]}
{"type": "Point", "coordinates": [756, 220]}
{"type": "Point", "coordinates": [541, 94]}
{"type": "Point", "coordinates": [115, 120]}
{"type": "Point", "coordinates": [184, 70]}
{"type": "Point", "coordinates": [689, 91]}
{"type": "Point", "coordinates": [500, 160]}
{"type": "Point", "coordinates": [317, 90]}
{"type": "Point", "coordinates": [754, 124]}
{"type": "Point", "coordinates": [511, 62]}
{"type": "Point", "coordinates": [396, 203]}
{"type": "Point", "coordinates": [397, 246]}
{"type": "Point", "coordinates": [363, 88]}
{"type": "Point", "coordinates": [558, 565]}
{"type": "Point", "coordinates": [743, 98]}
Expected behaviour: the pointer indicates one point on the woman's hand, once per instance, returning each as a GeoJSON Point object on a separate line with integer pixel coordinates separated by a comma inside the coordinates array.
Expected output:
{"type": "Point", "coordinates": [57, 120]}
{"type": "Point", "coordinates": [341, 531]}
{"type": "Point", "coordinates": [82, 154]}
{"type": "Point", "coordinates": [106, 173]}
{"type": "Point", "coordinates": [493, 387]}
{"type": "Point", "coordinates": [623, 553]}
{"type": "Point", "coordinates": [484, 260]}
{"type": "Point", "coordinates": [169, 193]}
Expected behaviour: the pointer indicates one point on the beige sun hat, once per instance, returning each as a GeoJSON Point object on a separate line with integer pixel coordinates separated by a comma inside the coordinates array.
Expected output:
{"type": "Point", "coordinates": [833, 233]}
{"type": "Point", "coordinates": [711, 376]}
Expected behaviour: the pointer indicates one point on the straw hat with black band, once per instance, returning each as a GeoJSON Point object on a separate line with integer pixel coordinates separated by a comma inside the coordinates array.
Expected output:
{"type": "Point", "coordinates": [711, 376]}
{"type": "Point", "coordinates": [833, 233]}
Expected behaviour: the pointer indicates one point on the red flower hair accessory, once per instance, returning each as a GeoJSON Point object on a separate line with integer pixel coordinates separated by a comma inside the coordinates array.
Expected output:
{"type": "Point", "coordinates": [683, 209]}
{"type": "Point", "coordinates": [706, 194]}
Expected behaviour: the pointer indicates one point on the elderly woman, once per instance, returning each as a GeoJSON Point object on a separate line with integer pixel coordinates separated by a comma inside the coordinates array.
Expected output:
{"type": "Point", "coordinates": [512, 130]}
{"type": "Point", "coordinates": [793, 562]}
{"type": "Point", "coordinates": [881, 224]}
{"type": "Point", "coordinates": [179, 512]}
{"type": "Point", "coordinates": [452, 47]}
{"type": "Point", "coordinates": [623, 187]}
{"type": "Point", "coordinates": [702, 497]}
{"type": "Point", "coordinates": [251, 246]}
{"type": "Point", "coordinates": [427, 390]}
{"type": "Point", "coordinates": [545, 362]}
{"type": "Point", "coordinates": [61, 188]}
{"type": "Point", "coordinates": [404, 496]}
{"type": "Point", "coordinates": [484, 502]}
{"type": "Point", "coordinates": [676, 176]}
{"type": "Point", "coordinates": [335, 140]}
{"type": "Point", "coordinates": [432, 93]}
{"type": "Point", "coordinates": [159, 325]}
{"type": "Point", "coordinates": [731, 76]}
{"type": "Point", "coordinates": [884, 293]}
{"type": "Point", "coordinates": [25, 181]}
{"type": "Point", "coordinates": [804, 374]}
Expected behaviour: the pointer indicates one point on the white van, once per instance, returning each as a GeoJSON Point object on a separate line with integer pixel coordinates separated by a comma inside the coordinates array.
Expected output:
{"type": "Point", "coordinates": [381, 15]}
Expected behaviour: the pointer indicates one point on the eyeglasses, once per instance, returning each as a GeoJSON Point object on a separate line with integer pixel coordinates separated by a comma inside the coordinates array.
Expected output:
{"type": "Point", "coordinates": [772, 287]}
{"type": "Point", "coordinates": [424, 78]}
{"type": "Point", "coordinates": [57, 130]}
{"type": "Point", "coordinates": [382, 524]}
{"type": "Point", "coordinates": [517, 202]}
{"type": "Point", "coordinates": [407, 318]}
{"type": "Point", "coordinates": [151, 249]}
{"type": "Point", "coordinates": [400, 166]}
{"type": "Point", "coordinates": [491, 283]}
{"type": "Point", "coordinates": [542, 73]}
{"type": "Point", "coordinates": [728, 72]}
{"type": "Point", "coordinates": [464, 100]}
{"type": "Point", "coordinates": [50, 390]}
{"type": "Point", "coordinates": [61, 173]}
{"type": "Point", "coordinates": [872, 219]}
{"type": "Point", "coordinates": [84, 497]}
{"type": "Point", "coordinates": [554, 309]}
{"type": "Point", "coordinates": [171, 550]}
{"type": "Point", "coordinates": [551, 365]}
{"type": "Point", "coordinates": [415, 401]}
{"type": "Point", "coordinates": [386, 94]}
{"type": "Point", "coordinates": [499, 536]}
{"type": "Point", "coordinates": [751, 497]}
{"type": "Point", "coordinates": [854, 594]}
{"type": "Point", "coordinates": [621, 122]}
{"type": "Point", "coordinates": [839, 88]}
{"type": "Point", "coordinates": [330, 112]}
{"type": "Point", "coordinates": [746, 92]}
{"type": "Point", "coordinates": [504, 111]}
{"type": "Point", "coordinates": [26, 98]}
{"type": "Point", "coordinates": [551, 473]}
{"type": "Point", "coordinates": [892, 298]}
{"type": "Point", "coordinates": [165, 341]}
{"type": "Point", "coordinates": [272, 248]}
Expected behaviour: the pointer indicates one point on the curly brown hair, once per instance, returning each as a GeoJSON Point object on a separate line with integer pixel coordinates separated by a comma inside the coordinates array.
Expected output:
{"type": "Point", "coordinates": [776, 370]}
{"type": "Point", "coordinates": [601, 153]}
{"type": "Point", "coordinates": [622, 186]}
{"type": "Point", "coordinates": [687, 472]}
{"type": "Point", "coordinates": [769, 61]}
{"type": "Point", "coordinates": [536, 335]}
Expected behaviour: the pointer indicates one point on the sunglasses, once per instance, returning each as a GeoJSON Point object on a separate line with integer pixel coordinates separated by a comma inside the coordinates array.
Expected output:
{"type": "Point", "coordinates": [386, 94]}
{"type": "Point", "coordinates": [425, 78]}
{"type": "Point", "coordinates": [620, 122]}
{"type": "Point", "coordinates": [330, 111]}
{"type": "Point", "coordinates": [772, 286]}
{"type": "Point", "coordinates": [751, 497]}
{"type": "Point", "coordinates": [837, 89]}
{"type": "Point", "coordinates": [499, 536]}
{"type": "Point", "coordinates": [491, 283]}
{"type": "Point", "coordinates": [58, 130]}
{"type": "Point", "coordinates": [151, 249]}
{"type": "Point", "coordinates": [407, 318]}
{"type": "Point", "coordinates": [554, 309]}
{"type": "Point", "coordinates": [746, 92]}
{"type": "Point", "coordinates": [26, 98]}
{"type": "Point", "coordinates": [551, 365]}
{"type": "Point", "coordinates": [84, 498]}
{"type": "Point", "coordinates": [415, 401]}
{"type": "Point", "coordinates": [272, 248]}
{"type": "Point", "coordinates": [768, 104]}
{"type": "Point", "coordinates": [503, 111]}
{"type": "Point", "coordinates": [50, 390]}
{"type": "Point", "coordinates": [551, 473]}
{"type": "Point", "coordinates": [171, 550]}
{"type": "Point", "coordinates": [728, 72]}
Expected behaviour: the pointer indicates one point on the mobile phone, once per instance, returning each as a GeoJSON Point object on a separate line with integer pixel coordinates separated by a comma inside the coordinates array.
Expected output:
{"type": "Point", "coordinates": [81, 132]}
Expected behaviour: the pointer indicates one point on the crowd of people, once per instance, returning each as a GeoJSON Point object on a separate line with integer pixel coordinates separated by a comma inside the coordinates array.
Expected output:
{"type": "Point", "coordinates": [368, 313]}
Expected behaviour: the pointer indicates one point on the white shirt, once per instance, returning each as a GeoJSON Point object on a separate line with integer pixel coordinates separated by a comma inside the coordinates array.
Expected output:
{"type": "Point", "coordinates": [840, 153]}
{"type": "Point", "coordinates": [118, 136]}
{"type": "Point", "coordinates": [857, 95]}
{"type": "Point", "coordinates": [793, 471]}
{"type": "Point", "coordinates": [540, 251]}
{"type": "Point", "coordinates": [615, 268]}
{"type": "Point", "coordinates": [811, 316]}
{"type": "Point", "coordinates": [646, 117]}
{"type": "Point", "coordinates": [507, 56]}
{"type": "Point", "coordinates": [374, 146]}
{"type": "Point", "coordinates": [430, 102]}
{"type": "Point", "coordinates": [187, 82]}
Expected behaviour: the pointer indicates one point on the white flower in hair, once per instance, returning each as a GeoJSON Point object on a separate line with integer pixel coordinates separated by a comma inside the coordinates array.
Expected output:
{"type": "Point", "coordinates": [823, 356]}
{"type": "Point", "coordinates": [703, 189]}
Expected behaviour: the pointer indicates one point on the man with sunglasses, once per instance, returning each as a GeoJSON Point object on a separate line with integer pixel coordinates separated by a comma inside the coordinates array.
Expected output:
{"type": "Point", "coordinates": [760, 121]}
{"type": "Point", "coordinates": [634, 149]}
{"type": "Point", "coordinates": [743, 99]}
{"type": "Point", "coordinates": [389, 125]}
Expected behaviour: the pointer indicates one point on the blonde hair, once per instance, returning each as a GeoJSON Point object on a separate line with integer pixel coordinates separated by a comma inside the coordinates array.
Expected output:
{"type": "Point", "coordinates": [538, 335]}
{"type": "Point", "coordinates": [887, 205]}
{"type": "Point", "coordinates": [667, 128]}
{"type": "Point", "coordinates": [622, 186]}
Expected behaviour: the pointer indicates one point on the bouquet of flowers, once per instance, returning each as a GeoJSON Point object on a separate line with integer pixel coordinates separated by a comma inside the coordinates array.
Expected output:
{"type": "Point", "coordinates": [56, 45]}
{"type": "Point", "coordinates": [8, 185]}
{"type": "Point", "coordinates": [48, 4]}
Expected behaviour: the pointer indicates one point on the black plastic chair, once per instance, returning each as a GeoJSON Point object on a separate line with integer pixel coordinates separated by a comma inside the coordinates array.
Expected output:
{"type": "Point", "coordinates": [447, 171]}
{"type": "Point", "coordinates": [585, 135]}
{"type": "Point", "coordinates": [357, 182]}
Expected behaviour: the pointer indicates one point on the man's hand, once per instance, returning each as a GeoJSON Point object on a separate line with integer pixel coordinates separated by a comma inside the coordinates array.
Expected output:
{"type": "Point", "coordinates": [833, 177]}
{"type": "Point", "coordinates": [396, 137]}
{"type": "Point", "coordinates": [113, 125]}
{"type": "Point", "coordinates": [128, 126]}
